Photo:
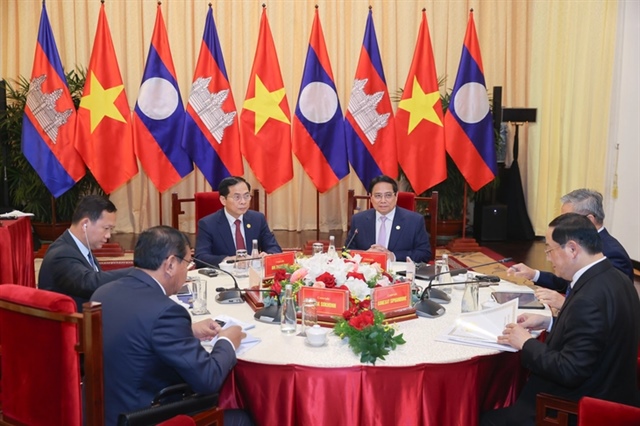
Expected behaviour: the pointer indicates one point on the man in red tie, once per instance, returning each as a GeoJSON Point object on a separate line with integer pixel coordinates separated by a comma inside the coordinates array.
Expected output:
{"type": "Point", "coordinates": [234, 227]}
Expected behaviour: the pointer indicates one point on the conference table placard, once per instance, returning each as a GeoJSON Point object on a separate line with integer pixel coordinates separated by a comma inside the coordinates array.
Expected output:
{"type": "Point", "coordinates": [331, 302]}
{"type": "Point", "coordinates": [276, 261]}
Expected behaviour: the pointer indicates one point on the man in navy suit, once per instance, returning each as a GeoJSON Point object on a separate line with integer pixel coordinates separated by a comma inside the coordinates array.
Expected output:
{"type": "Point", "coordinates": [69, 266]}
{"type": "Point", "coordinates": [387, 228]}
{"type": "Point", "coordinates": [149, 340]}
{"type": "Point", "coordinates": [221, 233]}
{"type": "Point", "coordinates": [587, 203]}
{"type": "Point", "coordinates": [592, 345]}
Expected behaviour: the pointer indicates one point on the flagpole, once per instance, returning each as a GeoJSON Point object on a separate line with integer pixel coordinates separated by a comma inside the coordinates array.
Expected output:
{"type": "Point", "coordinates": [160, 205]}
{"type": "Point", "coordinates": [463, 244]}
{"type": "Point", "coordinates": [317, 215]}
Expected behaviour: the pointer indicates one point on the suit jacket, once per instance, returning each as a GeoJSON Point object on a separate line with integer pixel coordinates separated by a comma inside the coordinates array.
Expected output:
{"type": "Point", "coordinates": [611, 248]}
{"type": "Point", "coordinates": [149, 345]}
{"type": "Point", "coordinates": [592, 348]}
{"type": "Point", "coordinates": [408, 236]}
{"type": "Point", "coordinates": [66, 270]}
{"type": "Point", "coordinates": [215, 241]}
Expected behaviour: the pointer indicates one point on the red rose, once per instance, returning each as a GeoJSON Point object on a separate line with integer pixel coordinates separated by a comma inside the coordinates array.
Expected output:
{"type": "Point", "coordinates": [361, 321]}
{"type": "Point", "coordinates": [276, 288]}
{"type": "Point", "coordinates": [281, 275]}
{"type": "Point", "coordinates": [347, 315]}
{"type": "Point", "coordinates": [365, 304]}
{"type": "Point", "coordinates": [328, 280]}
{"type": "Point", "coordinates": [356, 275]}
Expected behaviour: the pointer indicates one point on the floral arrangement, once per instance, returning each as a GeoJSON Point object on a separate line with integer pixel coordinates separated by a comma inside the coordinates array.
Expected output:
{"type": "Point", "coordinates": [326, 271]}
{"type": "Point", "coordinates": [368, 334]}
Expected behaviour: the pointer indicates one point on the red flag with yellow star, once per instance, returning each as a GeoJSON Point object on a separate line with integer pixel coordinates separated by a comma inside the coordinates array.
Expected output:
{"type": "Point", "coordinates": [265, 123]}
{"type": "Point", "coordinates": [419, 119]}
{"type": "Point", "coordinates": [104, 138]}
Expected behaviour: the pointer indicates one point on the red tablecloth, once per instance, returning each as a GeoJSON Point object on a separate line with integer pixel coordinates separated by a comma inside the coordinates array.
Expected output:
{"type": "Point", "coordinates": [425, 394]}
{"type": "Point", "coordinates": [16, 252]}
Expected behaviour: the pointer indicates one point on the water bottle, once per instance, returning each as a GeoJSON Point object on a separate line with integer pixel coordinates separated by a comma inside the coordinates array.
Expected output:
{"type": "Point", "coordinates": [470, 297]}
{"type": "Point", "coordinates": [445, 278]}
{"type": "Point", "coordinates": [288, 312]}
{"type": "Point", "coordinates": [256, 263]}
{"type": "Point", "coordinates": [331, 251]}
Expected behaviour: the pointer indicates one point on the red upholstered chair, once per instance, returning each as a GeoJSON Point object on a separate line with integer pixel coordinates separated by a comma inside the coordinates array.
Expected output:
{"type": "Point", "coordinates": [41, 336]}
{"type": "Point", "coordinates": [206, 203]}
{"type": "Point", "coordinates": [598, 412]}
{"type": "Point", "coordinates": [407, 200]}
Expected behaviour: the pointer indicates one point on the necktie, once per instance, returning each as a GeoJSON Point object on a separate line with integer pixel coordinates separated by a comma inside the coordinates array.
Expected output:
{"type": "Point", "coordinates": [382, 233]}
{"type": "Point", "coordinates": [239, 240]}
{"type": "Point", "coordinates": [566, 293]}
{"type": "Point", "coordinates": [92, 262]}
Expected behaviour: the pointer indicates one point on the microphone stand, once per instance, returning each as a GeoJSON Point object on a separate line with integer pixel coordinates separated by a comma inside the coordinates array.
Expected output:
{"type": "Point", "coordinates": [228, 296]}
{"type": "Point", "coordinates": [269, 314]}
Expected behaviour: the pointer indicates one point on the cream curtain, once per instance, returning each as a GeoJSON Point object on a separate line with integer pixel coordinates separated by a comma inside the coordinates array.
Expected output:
{"type": "Point", "coordinates": [552, 55]}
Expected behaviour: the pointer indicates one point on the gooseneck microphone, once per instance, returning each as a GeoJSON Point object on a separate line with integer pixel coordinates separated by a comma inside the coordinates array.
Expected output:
{"type": "Point", "coordinates": [232, 295]}
{"type": "Point", "coordinates": [353, 237]}
{"type": "Point", "coordinates": [268, 314]}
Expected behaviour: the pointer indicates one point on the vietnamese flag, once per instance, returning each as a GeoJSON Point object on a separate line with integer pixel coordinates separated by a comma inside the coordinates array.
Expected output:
{"type": "Point", "coordinates": [419, 119]}
{"type": "Point", "coordinates": [265, 123]}
{"type": "Point", "coordinates": [104, 138]}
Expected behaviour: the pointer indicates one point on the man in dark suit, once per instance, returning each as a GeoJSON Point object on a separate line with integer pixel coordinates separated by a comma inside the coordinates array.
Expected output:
{"type": "Point", "coordinates": [221, 233]}
{"type": "Point", "coordinates": [68, 266]}
{"type": "Point", "coordinates": [149, 340]}
{"type": "Point", "coordinates": [592, 346]}
{"type": "Point", "coordinates": [387, 228]}
{"type": "Point", "coordinates": [587, 203]}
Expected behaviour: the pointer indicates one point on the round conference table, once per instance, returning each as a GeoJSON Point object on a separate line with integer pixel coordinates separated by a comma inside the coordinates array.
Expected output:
{"type": "Point", "coordinates": [283, 381]}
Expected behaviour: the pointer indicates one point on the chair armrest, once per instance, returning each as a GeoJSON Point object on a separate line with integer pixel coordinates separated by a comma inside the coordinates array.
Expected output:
{"type": "Point", "coordinates": [548, 405]}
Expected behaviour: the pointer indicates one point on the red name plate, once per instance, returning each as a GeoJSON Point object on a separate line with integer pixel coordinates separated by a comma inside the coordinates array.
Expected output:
{"type": "Point", "coordinates": [331, 301]}
{"type": "Point", "coordinates": [275, 261]}
{"type": "Point", "coordinates": [371, 257]}
{"type": "Point", "coordinates": [391, 298]}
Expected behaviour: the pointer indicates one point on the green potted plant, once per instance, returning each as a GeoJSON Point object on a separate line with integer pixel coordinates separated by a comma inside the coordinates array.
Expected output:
{"type": "Point", "coordinates": [27, 192]}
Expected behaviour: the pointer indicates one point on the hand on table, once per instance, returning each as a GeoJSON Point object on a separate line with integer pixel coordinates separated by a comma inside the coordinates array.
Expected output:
{"type": "Point", "coordinates": [233, 333]}
{"type": "Point", "coordinates": [549, 297]}
{"type": "Point", "coordinates": [514, 335]}
{"type": "Point", "coordinates": [521, 270]}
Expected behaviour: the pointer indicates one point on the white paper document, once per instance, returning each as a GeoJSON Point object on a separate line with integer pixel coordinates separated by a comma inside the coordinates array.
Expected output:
{"type": "Point", "coordinates": [482, 328]}
{"type": "Point", "coordinates": [247, 343]}
{"type": "Point", "coordinates": [14, 214]}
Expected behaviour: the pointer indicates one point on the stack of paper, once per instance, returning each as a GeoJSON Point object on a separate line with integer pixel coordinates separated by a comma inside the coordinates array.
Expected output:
{"type": "Point", "coordinates": [482, 328]}
{"type": "Point", "coordinates": [247, 343]}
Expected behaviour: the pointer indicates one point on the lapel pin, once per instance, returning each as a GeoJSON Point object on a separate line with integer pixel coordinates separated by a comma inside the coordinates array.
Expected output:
{"type": "Point", "coordinates": [398, 227]}
{"type": "Point", "coordinates": [248, 225]}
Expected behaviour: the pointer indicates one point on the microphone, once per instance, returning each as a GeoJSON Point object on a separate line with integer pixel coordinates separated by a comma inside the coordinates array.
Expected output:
{"type": "Point", "coordinates": [229, 295]}
{"type": "Point", "coordinates": [431, 309]}
{"type": "Point", "coordinates": [246, 259]}
{"type": "Point", "coordinates": [353, 237]}
{"type": "Point", "coordinates": [268, 314]}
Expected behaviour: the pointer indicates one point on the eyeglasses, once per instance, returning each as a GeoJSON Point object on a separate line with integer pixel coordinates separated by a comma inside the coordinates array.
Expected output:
{"type": "Point", "coordinates": [547, 251]}
{"type": "Point", "coordinates": [237, 197]}
{"type": "Point", "coordinates": [190, 263]}
{"type": "Point", "coordinates": [386, 196]}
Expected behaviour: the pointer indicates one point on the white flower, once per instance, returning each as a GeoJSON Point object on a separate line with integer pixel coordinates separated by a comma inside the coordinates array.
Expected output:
{"type": "Point", "coordinates": [358, 288]}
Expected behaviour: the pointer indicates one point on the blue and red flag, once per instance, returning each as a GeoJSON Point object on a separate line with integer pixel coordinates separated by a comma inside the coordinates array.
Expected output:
{"type": "Point", "coordinates": [318, 125]}
{"type": "Point", "coordinates": [158, 117]}
{"type": "Point", "coordinates": [468, 123]}
{"type": "Point", "coordinates": [211, 132]}
{"type": "Point", "coordinates": [369, 124]}
{"type": "Point", "coordinates": [49, 121]}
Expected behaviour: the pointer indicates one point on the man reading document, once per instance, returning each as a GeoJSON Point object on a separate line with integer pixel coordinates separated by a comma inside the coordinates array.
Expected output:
{"type": "Point", "coordinates": [592, 346]}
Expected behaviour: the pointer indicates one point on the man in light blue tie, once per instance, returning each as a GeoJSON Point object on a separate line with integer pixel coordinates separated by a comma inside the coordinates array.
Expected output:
{"type": "Point", "coordinates": [387, 228]}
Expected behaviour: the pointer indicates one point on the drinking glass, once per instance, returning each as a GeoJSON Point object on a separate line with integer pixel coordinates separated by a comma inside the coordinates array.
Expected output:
{"type": "Point", "coordinates": [241, 267]}
{"type": "Point", "coordinates": [199, 290]}
{"type": "Point", "coordinates": [317, 248]}
{"type": "Point", "coordinates": [309, 314]}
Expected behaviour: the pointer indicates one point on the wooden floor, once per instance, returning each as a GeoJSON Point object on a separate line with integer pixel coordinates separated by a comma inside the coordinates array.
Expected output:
{"type": "Point", "coordinates": [530, 253]}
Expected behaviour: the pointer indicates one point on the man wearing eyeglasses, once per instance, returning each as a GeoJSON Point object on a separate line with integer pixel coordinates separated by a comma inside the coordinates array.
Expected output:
{"type": "Point", "coordinates": [150, 342]}
{"type": "Point", "coordinates": [69, 266]}
{"type": "Point", "coordinates": [234, 227]}
{"type": "Point", "coordinates": [387, 228]}
{"type": "Point", "coordinates": [587, 203]}
{"type": "Point", "coordinates": [592, 345]}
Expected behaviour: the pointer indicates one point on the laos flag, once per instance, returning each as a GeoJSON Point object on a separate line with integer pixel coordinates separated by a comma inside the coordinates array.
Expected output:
{"type": "Point", "coordinates": [318, 125]}
{"type": "Point", "coordinates": [159, 116]}
{"type": "Point", "coordinates": [211, 133]}
{"type": "Point", "coordinates": [468, 123]}
{"type": "Point", "coordinates": [49, 121]}
{"type": "Point", "coordinates": [369, 125]}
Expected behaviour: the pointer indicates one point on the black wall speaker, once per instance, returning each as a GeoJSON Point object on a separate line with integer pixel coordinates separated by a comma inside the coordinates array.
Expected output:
{"type": "Point", "coordinates": [490, 222]}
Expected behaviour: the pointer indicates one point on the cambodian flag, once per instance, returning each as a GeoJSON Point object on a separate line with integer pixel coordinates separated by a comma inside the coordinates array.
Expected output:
{"type": "Point", "coordinates": [318, 125]}
{"type": "Point", "coordinates": [211, 133]}
{"type": "Point", "coordinates": [159, 116]}
{"type": "Point", "coordinates": [49, 121]}
{"type": "Point", "coordinates": [369, 124]}
{"type": "Point", "coordinates": [468, 123]}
